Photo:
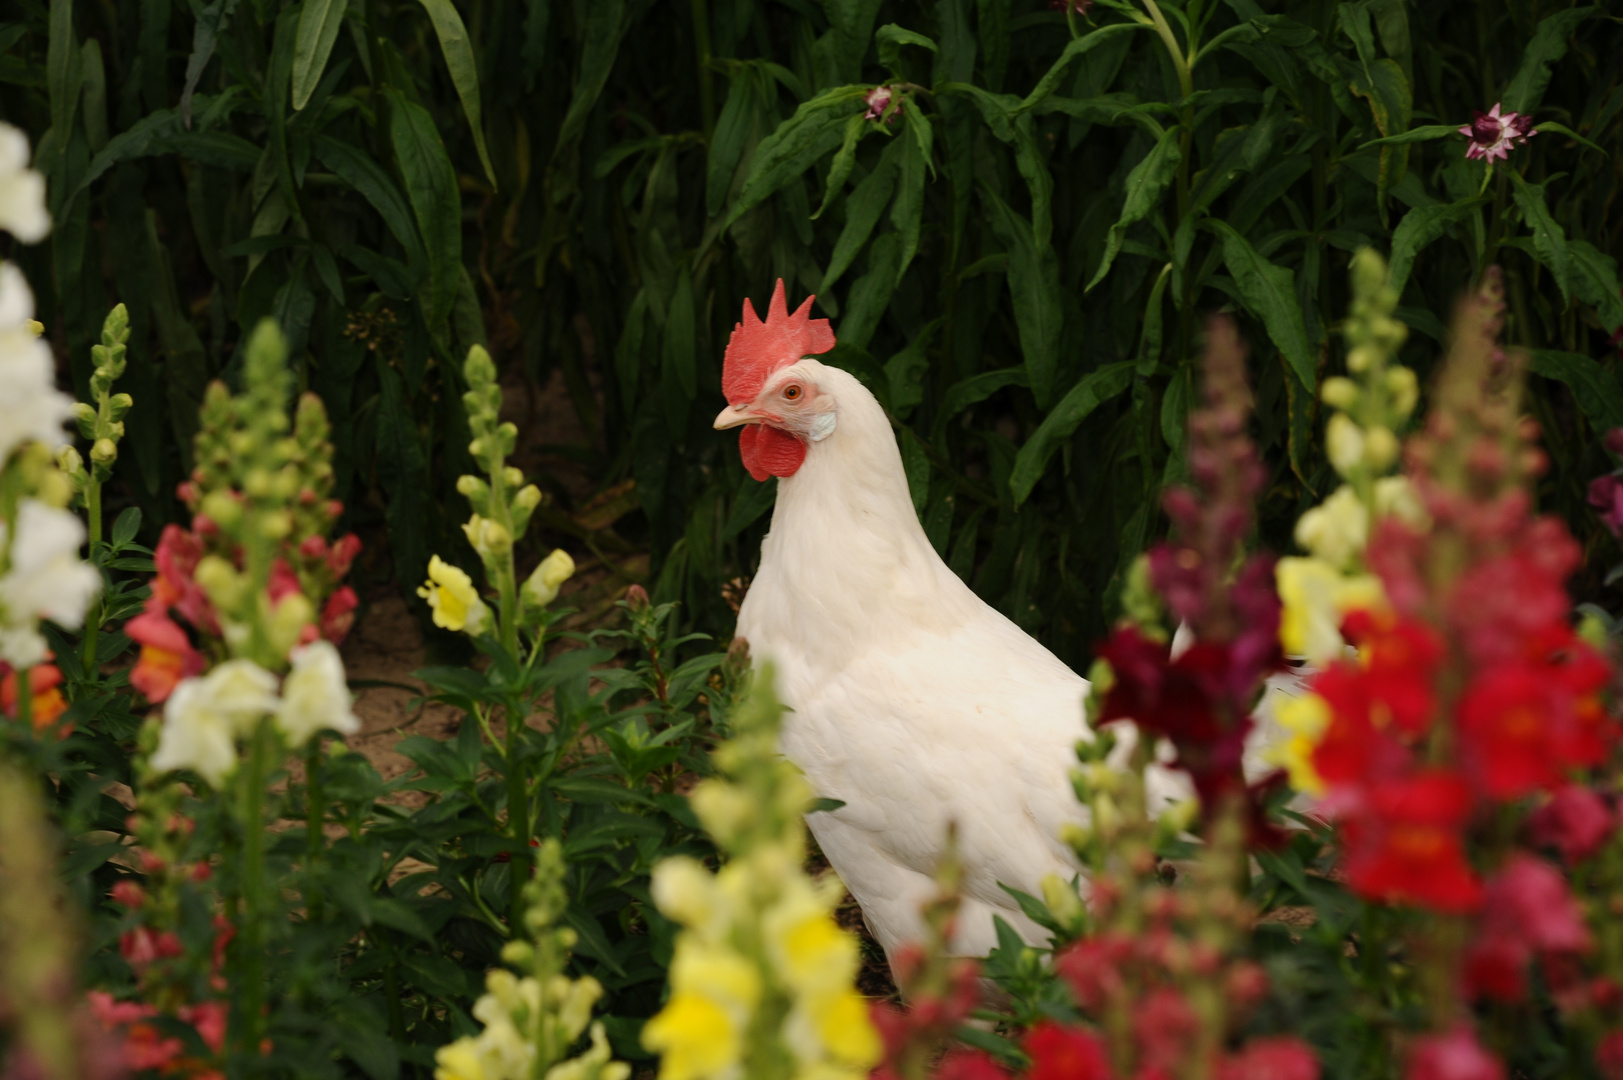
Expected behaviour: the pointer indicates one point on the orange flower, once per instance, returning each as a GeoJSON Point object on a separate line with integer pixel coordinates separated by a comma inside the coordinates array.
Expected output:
{"type": "Point", "coordinates": [46, 702]}
{"type": "Point", "coordinates": [166, 655]}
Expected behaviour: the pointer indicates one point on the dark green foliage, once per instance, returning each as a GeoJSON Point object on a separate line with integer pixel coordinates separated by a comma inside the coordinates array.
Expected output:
{"type": "Point", "coordinates": [1018, 257]}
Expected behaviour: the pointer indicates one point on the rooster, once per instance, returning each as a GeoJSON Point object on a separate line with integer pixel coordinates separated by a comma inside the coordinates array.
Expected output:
{"type": "Point", "coordinates": [914, 703]}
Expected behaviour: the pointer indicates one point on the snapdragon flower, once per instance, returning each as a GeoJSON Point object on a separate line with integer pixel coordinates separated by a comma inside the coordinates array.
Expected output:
{"type": "Point", "coordinates": [31, 407]}
{"type": "Point", "coordinates": [204, 717]}
{"type": "Point", "coordinates": [46, 579]}
{"type": "Point", "coordinates": [315, 696]}
{"type": "Point", "coordinates": [22, 190]}
{"type": "Point", "coordinates": [453, 599]}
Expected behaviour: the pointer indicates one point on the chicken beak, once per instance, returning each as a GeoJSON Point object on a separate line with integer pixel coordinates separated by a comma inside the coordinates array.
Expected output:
{"type": "Point", "coordinates": [732, 417]}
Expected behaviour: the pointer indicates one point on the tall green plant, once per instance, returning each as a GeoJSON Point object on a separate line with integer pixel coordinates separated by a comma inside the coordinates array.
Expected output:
{"type": "Point", "coordinates": [1014, 214]}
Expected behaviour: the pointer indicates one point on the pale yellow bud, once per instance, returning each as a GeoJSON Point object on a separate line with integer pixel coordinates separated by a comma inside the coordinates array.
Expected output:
{"type": "Point", "coordinates": [489, 538]}
{"type": "Point", "coordinates": [528, 498]}
{"type": "Point", "coordinates": [542, 587]}
{"type": "Point", "coordinates": [1380, 448]}
{"type": "Point", "coordinates": [1339, 393]}
{"type": "Point", "coordinates": [104, 452]}
{"type": "Point", "coordinates": [69, 461]}
{"type": "Point", "coordinates": [1363, 358]}
{"type": "Point", "coordinates": [512, 477]}
{"type": "Point", "coordinates": [1404, 388]}
{"type": "Point", "coordinates": [1063, 902]}
{"type": "Point", "coordinates": [1344, 443]}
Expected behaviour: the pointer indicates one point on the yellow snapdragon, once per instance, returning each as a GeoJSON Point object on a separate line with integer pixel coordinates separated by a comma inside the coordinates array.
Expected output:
{"type": "Point", "coordinates": [453, 599]}
{"type": "Point", "coordinates": [1361, 443]}
{"type": "Point", "coordinates": [762, 979]}
{"type": "Point", "coordinates": [531, 1021]}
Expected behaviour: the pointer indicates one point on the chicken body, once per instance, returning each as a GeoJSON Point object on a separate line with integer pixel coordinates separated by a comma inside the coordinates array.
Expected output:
{"type": "Point", "coordinates": [914, 702]}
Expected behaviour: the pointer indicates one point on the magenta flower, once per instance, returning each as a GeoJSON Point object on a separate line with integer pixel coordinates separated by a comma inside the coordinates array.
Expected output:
{"type": "Point", "coordinates": [1493, 135]}
{"type": "Point", "coordinates": [878, 100]}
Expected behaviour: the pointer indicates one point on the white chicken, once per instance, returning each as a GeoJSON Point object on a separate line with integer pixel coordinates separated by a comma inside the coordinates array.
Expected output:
{"type": "Point", "coordinates": [914, 702]}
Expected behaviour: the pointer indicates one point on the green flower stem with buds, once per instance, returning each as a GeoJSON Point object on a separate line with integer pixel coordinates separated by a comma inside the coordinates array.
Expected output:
{"type": "Point", "coordinates": [502, 505]}
{"type": "Point", "coordinates": [249, 1023]}
{"type": "Point", "coordinates": [103, 425]}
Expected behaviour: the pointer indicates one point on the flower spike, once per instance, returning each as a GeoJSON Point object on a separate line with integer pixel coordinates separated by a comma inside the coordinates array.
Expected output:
{"type": "Point", "coordinates": [757, 349]}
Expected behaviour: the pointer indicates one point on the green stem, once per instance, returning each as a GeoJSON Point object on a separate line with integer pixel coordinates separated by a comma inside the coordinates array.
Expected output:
{"type": "Point", "coordinates": [518, 817]}
{"type": "Point", "coordinates": [314, 841]}
{"type": "Point", "coordinates": [250, 994]}
{"type": "Point", "coordinates": [87, 648]}
{"type": "Point", "coordinates": [701, 41]}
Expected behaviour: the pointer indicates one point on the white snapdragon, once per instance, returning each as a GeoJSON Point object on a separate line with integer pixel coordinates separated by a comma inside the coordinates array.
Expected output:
{"type": "Point", "coordinates": [22, 190]}
{"type": "Point", "coordinates": [46, 579]}
{"type": "Point", "coordinates": [31, 407]}
{"type": "Point", "coordinates": [204, 716]}
{"type": "Point", "coordinates": [315, 696]}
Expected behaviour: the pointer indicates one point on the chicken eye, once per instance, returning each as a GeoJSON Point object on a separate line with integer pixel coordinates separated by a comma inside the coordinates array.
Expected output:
{"type": "Point", "coordinates": [792, 392]}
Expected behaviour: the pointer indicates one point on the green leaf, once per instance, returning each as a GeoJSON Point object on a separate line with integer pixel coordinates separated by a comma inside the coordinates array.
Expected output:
{"type": "Point", "coordinates": [606, 25]}
{"type": "Point", "coordinates": [679, 336]}
{"type": "Point", "coordinates": [1549, 239]}
{"type": "Point", "coordinates": [890, 38]}
{"type": "Point", "coordinates": [1425, 133]}
{"type": "Point", "coordinates": [1270, 292]}
{"type": "Point", "coordinates": [862, 211]}
{"type": "Point", "coordinates": [907, 213]}
{"type": "Point", "coordinates": [1594, 281]}
{"type": "Point", "coordinates": [1526, 91]}
{"type": "Point", "coordinates": [1145, 185]}
{"type": "Point", "coordinates": [127, 525]}
{"type": "Point", "coordinates": [840, 169]}
{"type": "Point", "coordinates": [464, 73]}
{"type": "Point", "coordinates": [360, 172]}
{"type": "Point", "coordinates": [403, 475]}
{"type": "Point", "coordinates": [905, 372]}
{"type": "Point", "coordinates": [1094, 389]}
{"type": "Point", "coordinates": [1391, 101]}
{"type": "Point", "coordinates": [852, 22]}
{"type": "Point", "coordinates": [974, 390]}
{"type": "Point", "coordinates": [1418, 228]}
{"type": "Point", "coordinates": [996, 109]}
{"type": "Point", "coordinates": [1595, 387]}
{"type": "Point", "coordinates": [435, 202]}
{"type": "Point", "coordinates": [1076, 48]}
{"type": "Point", "coordinates": [212, 21]}
{"type": "Point", "coordinates": [319, 24]}
{"type": "Point", "coordinates": [1039, 310]}
{"type": "Point", "coordinates": [817, 127]}
{"type": "Point", "coordinates": [1562, 129]}
{"type": "Point", "coordinates": [916, 463]}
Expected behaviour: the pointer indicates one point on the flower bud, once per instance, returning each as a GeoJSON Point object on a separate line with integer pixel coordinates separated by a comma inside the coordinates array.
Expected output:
{"type": "Point", "coordinates": [518, 953]}
{"type": "Point", "coordinates": [512, 477]}
{"type": "Point", "coordinates": [480, 369]}
{"type": "Point", "coordinates": [1339, 393]}
{"type": "Point", "coordinates": [527, 499]}
{"type": "Point", "coordinates": [472, 488]}
{"type": "Point", "coordinates": [637, 599]}
{"type": "Point", "coordinates": [489, 538]}
{"type": "Point", "coordinates": [85, 415]}
{"type": "Point", "coordinates": [69, 461]}
{"type": "Point", "coordinates": [542, 587]}
{"type": "Point", "coordinates": [1404, 388]}
{"type": "Point", "coordinates": [1380, 448]}
{"type": "Point", "coordinates": [276, 524]}
{"type": "Point", "coordinates": [104, 452]}
{"type": "Point", "coordinates": [1363, 358]}
{"type": "Point", "coordinates": [36, 327]}
{"type": "Point", "coordinates": [1063, 903]}
{"type": "Point", "coordinates": [120, 404]}
{"type": "Point", "coordinates": [287, 623]}
{"type": "Point", "coordinates": [222, 508]}
{"type": "Point", "coordinates": [1344, 443]}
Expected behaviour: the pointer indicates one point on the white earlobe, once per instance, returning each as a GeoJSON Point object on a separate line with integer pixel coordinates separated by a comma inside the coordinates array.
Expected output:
{"type": "Point", "coordinates": [823, 426]}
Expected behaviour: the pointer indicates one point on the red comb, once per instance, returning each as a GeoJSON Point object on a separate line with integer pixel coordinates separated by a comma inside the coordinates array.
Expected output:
{"type": "Point", "coordinates": [757, 349]}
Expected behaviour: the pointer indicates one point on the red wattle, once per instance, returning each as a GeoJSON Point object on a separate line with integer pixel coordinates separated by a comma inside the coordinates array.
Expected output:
{"type": "Point", "coordinates": [770, 452]}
